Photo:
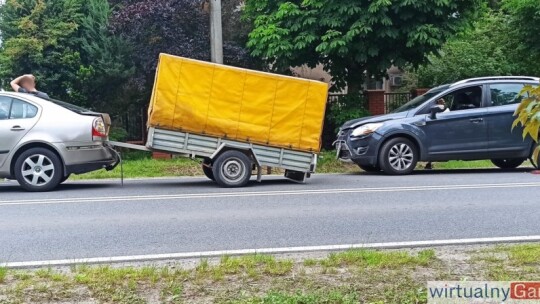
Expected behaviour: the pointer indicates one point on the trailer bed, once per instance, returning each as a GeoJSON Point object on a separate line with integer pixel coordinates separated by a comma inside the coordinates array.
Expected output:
{"type": "Point", "coordinates": [298, 165]}
{"type": "Point", "coordinates": [208, 146]}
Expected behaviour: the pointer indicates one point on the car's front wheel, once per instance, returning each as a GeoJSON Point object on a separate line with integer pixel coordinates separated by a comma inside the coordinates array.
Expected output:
{"type": "Point", "coordinates": [38, 169]}
{"type": "Point", "coordinates": [398, 156]}
{"type": "Point", "coordinates": [508, 163]}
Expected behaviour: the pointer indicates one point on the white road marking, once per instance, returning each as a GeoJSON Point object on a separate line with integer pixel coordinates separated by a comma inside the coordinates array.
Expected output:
{"type": "Point", "coordinates": [304, 249]}
{"type": "Point", "coordinates": [156, 197]}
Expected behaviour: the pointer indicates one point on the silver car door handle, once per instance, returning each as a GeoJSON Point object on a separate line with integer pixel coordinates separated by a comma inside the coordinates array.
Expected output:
{"type": "Point", "coordinates": [17, 128]}
{"type": "Point", "coordinates": [476, 120]}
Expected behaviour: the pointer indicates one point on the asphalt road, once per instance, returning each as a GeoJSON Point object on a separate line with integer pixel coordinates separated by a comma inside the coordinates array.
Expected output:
{"type": "Point", "coordinates": [102, 218]}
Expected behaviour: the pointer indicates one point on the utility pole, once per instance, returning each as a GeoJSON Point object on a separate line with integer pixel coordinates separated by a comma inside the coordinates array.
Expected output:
{"type": "Point", "coordinates": [216, 32]}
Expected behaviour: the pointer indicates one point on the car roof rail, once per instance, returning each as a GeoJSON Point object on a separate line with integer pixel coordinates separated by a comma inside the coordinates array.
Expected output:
{"type": "Point", "coordinates": [529, 78]}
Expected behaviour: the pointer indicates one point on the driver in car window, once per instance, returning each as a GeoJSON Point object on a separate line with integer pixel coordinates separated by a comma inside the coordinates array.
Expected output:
{"type": "Point", "coordinates": [441, 103]}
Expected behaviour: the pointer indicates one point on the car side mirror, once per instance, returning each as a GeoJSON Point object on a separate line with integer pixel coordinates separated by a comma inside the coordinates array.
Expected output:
{"type": "Point", "coordinates": [433, 112]}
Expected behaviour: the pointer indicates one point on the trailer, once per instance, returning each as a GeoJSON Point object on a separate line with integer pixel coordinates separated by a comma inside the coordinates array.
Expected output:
{"type": "Point", "coordinates": [235, 121]}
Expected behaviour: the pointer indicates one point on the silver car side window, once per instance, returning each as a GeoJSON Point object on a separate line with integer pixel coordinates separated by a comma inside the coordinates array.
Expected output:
{"type": "Point", "coordinates": [5, 106]}
{"type": "Point", "coordinates": [22, 110]}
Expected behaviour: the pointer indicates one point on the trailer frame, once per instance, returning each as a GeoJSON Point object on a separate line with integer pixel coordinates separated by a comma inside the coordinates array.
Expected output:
{"type": "Point", "coordinates": [298, 165]}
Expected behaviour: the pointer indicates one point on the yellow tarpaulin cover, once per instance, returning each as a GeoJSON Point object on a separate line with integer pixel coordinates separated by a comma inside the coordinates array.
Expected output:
{"type": "Point", "coordinates": [239, 104]}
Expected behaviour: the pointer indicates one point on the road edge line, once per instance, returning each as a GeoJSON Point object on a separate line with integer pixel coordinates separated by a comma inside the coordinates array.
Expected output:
{"type": "Point", "coordinates": [282, 250]}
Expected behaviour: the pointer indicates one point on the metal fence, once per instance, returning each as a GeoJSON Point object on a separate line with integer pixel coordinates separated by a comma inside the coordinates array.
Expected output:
{"type": "Point", "coordinates": [133, 121]}
{"type": "Point", "coordinates": [393, 101]}
{"type": "Point", "coordinates": [334, 97]}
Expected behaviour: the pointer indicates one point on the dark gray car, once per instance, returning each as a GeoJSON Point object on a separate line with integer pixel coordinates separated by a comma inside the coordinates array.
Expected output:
{"type": "Point", "coordinates": [475, 123]}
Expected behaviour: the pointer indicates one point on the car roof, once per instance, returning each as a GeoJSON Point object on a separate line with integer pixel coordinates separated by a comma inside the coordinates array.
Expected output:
{"type": "Point", "coordinates": [489, 79]}
{"type": "Point", "coordinates": [26, 96]}
{"type": "Point", "coordinates": [497, 79]}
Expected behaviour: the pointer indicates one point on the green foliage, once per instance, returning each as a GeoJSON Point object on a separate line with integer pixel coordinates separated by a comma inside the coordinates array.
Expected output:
{"type": "Point", "coordinates": [66, 44]}
{"type": "Point", "coordinates": [371, 258]}
{"type": "Point", "coordinates": [347, 107]}
{"type": "Point", "coordinates": [528, 115]}
{"type": "Point", "coordinates": [524, 27]}
{"type": "Point", "coordinates": [350, 37]}
{"type": "Point", "coordinates": [501, 42]}
{"type": "Point", "coordinates": [336, 297]}
{"type": "Point", "coordinates": [484, 50]}
{"type": "Point", "coordinates": [3, 274]}
{"type": "Point", "coordinates": [104, 61]}
{"type": "Point", "coordinates": [118, 134]}
{"type": "Point", "coordinates": [37, 38]}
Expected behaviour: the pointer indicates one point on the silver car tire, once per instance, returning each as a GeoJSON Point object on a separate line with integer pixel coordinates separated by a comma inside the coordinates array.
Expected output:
{"type": "Point", "coordinates": [398, 156]}
{"type": "Point", "coordinates": [38, 170]}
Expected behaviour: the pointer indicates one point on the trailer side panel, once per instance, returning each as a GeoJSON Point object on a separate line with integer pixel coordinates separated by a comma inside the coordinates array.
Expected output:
{"type": "Point", "coordinates": [207, 146]}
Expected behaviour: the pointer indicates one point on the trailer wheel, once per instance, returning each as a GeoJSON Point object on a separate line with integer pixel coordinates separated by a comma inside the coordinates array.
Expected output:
{"type": "Point", "coordinates": [232, 169]}
{"type": "Point", "coordinates": [207, 169]}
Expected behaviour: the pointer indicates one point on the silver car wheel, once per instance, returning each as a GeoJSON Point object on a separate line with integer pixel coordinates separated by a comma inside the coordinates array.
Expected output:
{"type": "Point", "coordinates": [233, 169]}
{"type": "Point", "coordinates": [37, 170]}
{"type": "Point", "coordinates": [401, 157]}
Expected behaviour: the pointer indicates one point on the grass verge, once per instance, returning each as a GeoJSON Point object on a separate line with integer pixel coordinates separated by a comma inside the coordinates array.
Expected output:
{"type": "Point", "coordinates": [355, 276]}
{"type": "Point", "coordinates": [140, 165]}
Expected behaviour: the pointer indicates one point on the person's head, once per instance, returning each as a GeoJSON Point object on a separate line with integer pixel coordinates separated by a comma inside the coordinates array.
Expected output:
{"type": "Point", "coordinates": [441, 102]}
{"type": "Point", "coordinates": [28, 83]}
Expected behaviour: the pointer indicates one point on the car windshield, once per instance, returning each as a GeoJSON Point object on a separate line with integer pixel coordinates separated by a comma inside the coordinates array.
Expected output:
{"type": "Point", "coordinates": [419, 100]}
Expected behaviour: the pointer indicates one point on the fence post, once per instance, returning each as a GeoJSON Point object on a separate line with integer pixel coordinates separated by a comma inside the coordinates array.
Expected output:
{"type": "Point", "coordinates": [376, 102]}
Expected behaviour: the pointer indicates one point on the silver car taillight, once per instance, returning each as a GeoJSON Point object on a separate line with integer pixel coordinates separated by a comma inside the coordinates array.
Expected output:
{"type": "Point", "coordinates": [98, 128]}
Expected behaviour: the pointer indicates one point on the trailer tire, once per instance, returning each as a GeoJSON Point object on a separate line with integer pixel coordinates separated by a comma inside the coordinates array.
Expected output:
{"type": "Point", "coordinates": [232, 169]}
{"type": "Point", "coordinates": [207, 169]}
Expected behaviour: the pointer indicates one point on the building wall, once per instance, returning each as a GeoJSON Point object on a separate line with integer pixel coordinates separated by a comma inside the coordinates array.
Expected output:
{"type": "Point", "coordinates": [318, 73]}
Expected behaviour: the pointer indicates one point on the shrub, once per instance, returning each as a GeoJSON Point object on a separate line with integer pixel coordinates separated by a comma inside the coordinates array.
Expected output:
{"type": "Point", "coordinates": [528, 115]}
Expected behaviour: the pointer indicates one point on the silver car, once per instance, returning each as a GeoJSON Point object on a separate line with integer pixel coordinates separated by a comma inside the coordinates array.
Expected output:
{"type": "Point", "coordinates": [43, 142]}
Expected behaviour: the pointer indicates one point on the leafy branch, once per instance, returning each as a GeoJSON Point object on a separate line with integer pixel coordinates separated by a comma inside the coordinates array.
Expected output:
{"type": "Point", "coordinates": [528, 116]}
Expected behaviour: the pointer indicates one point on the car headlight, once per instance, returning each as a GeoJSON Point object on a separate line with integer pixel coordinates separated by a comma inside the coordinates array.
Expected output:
{"type": "Point", "coordinates": [366, 129]}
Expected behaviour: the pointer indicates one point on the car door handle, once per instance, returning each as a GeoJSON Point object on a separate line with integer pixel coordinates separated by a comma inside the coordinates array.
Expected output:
{"type": "Point", "coordinates": [476, 120]}
{"type": "Point", "coordinates": [17, 128]}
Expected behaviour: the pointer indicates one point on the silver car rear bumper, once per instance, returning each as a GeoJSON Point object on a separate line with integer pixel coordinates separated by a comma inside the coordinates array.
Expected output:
{"type": "Point", "coordinates": [83, 159]}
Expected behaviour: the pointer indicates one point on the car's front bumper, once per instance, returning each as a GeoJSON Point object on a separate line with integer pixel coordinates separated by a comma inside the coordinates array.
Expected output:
{"type": "Point", "coordinates": [362, 151]}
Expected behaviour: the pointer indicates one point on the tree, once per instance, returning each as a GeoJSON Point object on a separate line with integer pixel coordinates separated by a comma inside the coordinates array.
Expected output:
{"type": "Point", "coordinates": [105, 64]}
{"type": "Point", "coordinates": [350, 37]}
{"type": "Point", "coordinates": [37, 37]}
{"type": "Point", "coordinates": [67, 45]}
{"type": "Point", "coordinates": [525, 22]}
{"type": "Point", "coordinates": [524, 27]}
{"type": "Point", "coordinates": [177, 27]}
{"type": "Point", "coordinates": [486, 49]}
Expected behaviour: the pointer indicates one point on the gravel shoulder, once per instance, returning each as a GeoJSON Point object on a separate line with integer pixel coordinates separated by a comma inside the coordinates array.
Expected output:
{"type": "Point", "coordinates": [366, 276]}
